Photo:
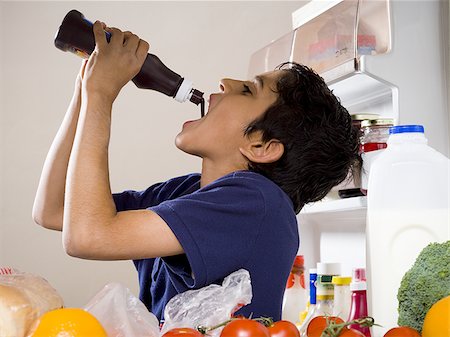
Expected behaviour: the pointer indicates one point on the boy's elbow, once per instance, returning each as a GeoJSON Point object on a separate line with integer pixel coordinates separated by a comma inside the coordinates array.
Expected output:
{"type": "Point", "coordinates": [46, 222]}
{"type": "Point", "coordinates": [79, 244]}
{"type": "Point", "coordinates": [41, 218]}
{"type": "Point", "coordinates": [75, 248]}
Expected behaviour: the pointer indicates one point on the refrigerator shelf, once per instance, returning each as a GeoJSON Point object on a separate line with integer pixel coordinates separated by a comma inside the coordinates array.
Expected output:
{"type": "Point", "coordinates": [335, 206]}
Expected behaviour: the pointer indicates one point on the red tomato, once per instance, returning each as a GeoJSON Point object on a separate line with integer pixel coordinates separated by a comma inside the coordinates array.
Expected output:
{"type": "Point", "coordinates": [283, 329]}
{"type": "Point", "coordinates": [182, 332]}
{"type": "Point", "coordinates": [402, 331]}
{"type": "Point", "coordinates": [244, 328]}
{"type": "Point", "coordinates": [319, 323]}
{"type": "Point", "coordinates": [351, 333]}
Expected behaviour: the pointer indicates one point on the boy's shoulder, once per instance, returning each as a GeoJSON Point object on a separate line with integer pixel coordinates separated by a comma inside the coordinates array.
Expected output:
{"type": "Point", "coordinates": [246, 180]}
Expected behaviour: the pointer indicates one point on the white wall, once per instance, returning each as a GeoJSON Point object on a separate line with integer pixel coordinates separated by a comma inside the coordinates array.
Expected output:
{"type": "Point", "coordinates": [203, 41]}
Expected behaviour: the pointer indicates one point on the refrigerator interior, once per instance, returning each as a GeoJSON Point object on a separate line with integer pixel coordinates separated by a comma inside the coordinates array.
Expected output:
{"type": "Point", "coordinates": [365, 52]}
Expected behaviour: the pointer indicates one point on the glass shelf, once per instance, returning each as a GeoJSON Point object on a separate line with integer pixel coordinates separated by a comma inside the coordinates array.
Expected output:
{"type": "Point", "coordinates": [333, 41]}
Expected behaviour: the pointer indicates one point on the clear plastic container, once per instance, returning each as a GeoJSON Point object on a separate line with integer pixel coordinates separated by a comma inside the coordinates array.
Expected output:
{"type": "Point", "coordinates": [407, 208]}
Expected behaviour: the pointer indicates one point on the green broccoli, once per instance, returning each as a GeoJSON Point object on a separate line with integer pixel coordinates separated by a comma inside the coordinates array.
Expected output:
{"type": "Point", "coordinates": [424, 284]}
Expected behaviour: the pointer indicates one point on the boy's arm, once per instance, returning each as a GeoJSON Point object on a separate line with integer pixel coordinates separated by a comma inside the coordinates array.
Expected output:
{"type": "Point", "coordinates": [49, 200]}
{"type": "Point", "coordinates": [92, 227]}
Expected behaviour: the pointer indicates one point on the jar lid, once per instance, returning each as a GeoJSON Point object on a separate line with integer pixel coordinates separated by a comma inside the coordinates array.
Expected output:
{"type": "Point", "coordinates": [341, 280]}
{"type": "Point", "coordinates": [406, 129]}
{"type": "Point", "coordinates": [363, 116]}
{"type": "Point", "coordinates": [373, 122]}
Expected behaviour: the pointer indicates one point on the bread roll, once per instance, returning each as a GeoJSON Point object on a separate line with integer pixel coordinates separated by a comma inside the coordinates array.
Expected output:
{"type": "Point", "coordinates": [24, 298]}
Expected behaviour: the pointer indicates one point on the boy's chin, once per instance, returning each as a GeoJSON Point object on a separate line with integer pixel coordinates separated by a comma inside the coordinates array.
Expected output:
{"type": "Point", "coordinates": [181, 145]}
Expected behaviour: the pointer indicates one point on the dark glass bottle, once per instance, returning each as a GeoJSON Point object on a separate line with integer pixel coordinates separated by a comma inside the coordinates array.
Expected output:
{"type": "Point", "coordinates": [76, 35]}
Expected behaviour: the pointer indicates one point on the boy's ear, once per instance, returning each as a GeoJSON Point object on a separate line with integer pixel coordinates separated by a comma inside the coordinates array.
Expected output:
{"type": "Point", "coordinates": [258, 151]}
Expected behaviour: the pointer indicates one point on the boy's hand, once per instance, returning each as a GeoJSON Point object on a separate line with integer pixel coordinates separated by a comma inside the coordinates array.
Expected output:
{"type": "Point", "coordinates": [112, 65]}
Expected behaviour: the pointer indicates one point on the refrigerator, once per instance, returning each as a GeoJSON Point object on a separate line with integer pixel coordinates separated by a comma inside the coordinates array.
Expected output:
{"type": "Point", "coordinates": [381, 57]}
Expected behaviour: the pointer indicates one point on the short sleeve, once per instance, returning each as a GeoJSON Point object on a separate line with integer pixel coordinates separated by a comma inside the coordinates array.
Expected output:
{"type": "Point", "coordinates": [155, 194]}
{"type": "Point", "coordinates": [217, 226]}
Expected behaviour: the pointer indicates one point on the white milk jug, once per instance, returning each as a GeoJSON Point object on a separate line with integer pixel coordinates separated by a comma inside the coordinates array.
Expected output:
{"type": "Point", "coordinates": [407, 208]}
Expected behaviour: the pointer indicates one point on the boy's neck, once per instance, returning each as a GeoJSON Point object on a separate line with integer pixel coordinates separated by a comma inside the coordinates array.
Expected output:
{"type": "Point", "coordinates": [212, 171]}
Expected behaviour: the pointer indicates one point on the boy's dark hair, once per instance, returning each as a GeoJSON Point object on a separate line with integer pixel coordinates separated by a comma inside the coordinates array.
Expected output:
{"type": "Point", "coordinates": [320, 144]}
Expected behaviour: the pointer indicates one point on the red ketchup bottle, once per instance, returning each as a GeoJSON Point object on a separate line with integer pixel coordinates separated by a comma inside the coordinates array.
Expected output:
{"type": "Point", "coordinates": [358, 308]}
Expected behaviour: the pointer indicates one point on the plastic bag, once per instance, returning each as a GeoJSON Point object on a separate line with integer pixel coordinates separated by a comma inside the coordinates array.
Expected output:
{"type": "Point", "coordinates": [209, 306]}
{"type": "Point", "coordinates": [122, 314]}
{"type": "Point", "coordinates": [24, 297]}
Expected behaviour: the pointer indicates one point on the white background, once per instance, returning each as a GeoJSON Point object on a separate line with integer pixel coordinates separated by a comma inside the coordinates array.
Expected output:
{"type": "Point", "coordinates": [203, 41]}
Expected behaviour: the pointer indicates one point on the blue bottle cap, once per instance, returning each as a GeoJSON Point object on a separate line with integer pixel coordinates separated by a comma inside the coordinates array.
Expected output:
{"type": "Point", "coordinates": [406, 129]}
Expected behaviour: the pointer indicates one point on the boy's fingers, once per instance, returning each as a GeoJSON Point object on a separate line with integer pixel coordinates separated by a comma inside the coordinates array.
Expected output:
{"type": "Point", "coordinates": [99, 34]}
{"type": "Point", "coordinates": [142, 50]}
{"type": "Point", "coordinates": [131, 41]}
{"type": "Point", "coordinates": [117, 35]}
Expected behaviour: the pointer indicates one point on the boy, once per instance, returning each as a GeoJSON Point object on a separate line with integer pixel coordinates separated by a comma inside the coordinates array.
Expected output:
{"type": "Point", "coordinates": [268, 147]}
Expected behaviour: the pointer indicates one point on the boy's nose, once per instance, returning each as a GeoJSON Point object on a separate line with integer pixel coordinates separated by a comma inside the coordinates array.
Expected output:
{"type": "Point", "coordinates": [226, 85]}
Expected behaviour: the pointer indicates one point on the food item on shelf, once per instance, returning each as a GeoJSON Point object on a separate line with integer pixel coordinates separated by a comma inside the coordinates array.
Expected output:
{"type": "Point", "coordinates": [402, 331]}
{"type": "Point", "coordinates": [23, 298]}
{"type": "Point", "coordinates": [424, 284]}
{"type": "Point", "coordinates": [437, 319]}
{"type": "Point", "coordinates": [68, 322]}
{"type": "Point", "coordinates": [244, 328]}
{"type": "Point", "coordinates": [182, 332]}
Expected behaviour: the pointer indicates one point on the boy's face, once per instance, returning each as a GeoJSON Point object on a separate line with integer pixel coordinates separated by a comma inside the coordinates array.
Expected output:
{"type": "Point", "coordinates": [219, 135]}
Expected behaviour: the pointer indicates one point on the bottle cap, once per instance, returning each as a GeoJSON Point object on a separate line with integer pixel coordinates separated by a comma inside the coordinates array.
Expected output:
{"type": "Point", "coordinates": [359, 274]}
{"type": "Point", "coordinates": [312, 271]}
{"type": "Point", "coordinates": [184, 91]}
{"type": "Point", "coordinates": [299, 261]}
{"type": "Point", "coordinates": [341, 280]}
{"type": "Point", "coordinates": [327, 268]}
{"type": "Point", "coordinates": [406, 129]}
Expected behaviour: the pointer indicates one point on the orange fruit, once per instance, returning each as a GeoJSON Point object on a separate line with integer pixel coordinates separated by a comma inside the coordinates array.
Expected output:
{"type": "Point", "coordinates": [437, 319]}
{"type": "Point", "coordinates": [68, 322]}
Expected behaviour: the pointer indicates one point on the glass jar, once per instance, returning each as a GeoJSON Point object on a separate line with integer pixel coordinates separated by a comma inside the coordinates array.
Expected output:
{"type": "Point", "coordinates": [374, 135]}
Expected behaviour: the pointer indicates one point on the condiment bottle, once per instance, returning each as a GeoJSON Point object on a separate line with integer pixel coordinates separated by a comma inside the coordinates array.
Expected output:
{"type": "Point", "coordinates": [312, 301]}
{"type": "Point", "coordinates": [294, 300]}
{"type": "Point", "coordinates": [325, 289]}
{"type": "Point", "coordinates": [76, 35]}
{"type": "Point", "coordinates": [342, 296]}
{"type": "Point", "coordinates": [358, 308]}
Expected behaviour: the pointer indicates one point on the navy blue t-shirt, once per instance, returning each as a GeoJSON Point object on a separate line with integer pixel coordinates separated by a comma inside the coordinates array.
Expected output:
{"type": "Point", "coordinates": [241, 220]}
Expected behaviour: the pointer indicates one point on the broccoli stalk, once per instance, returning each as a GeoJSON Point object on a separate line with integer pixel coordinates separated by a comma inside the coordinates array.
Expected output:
{"type": "Point", "coordinates": [424, 284]}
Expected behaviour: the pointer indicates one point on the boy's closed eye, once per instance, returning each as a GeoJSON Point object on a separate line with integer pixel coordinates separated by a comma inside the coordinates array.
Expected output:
{"type": "Point", "coordinates": [246, 89]}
